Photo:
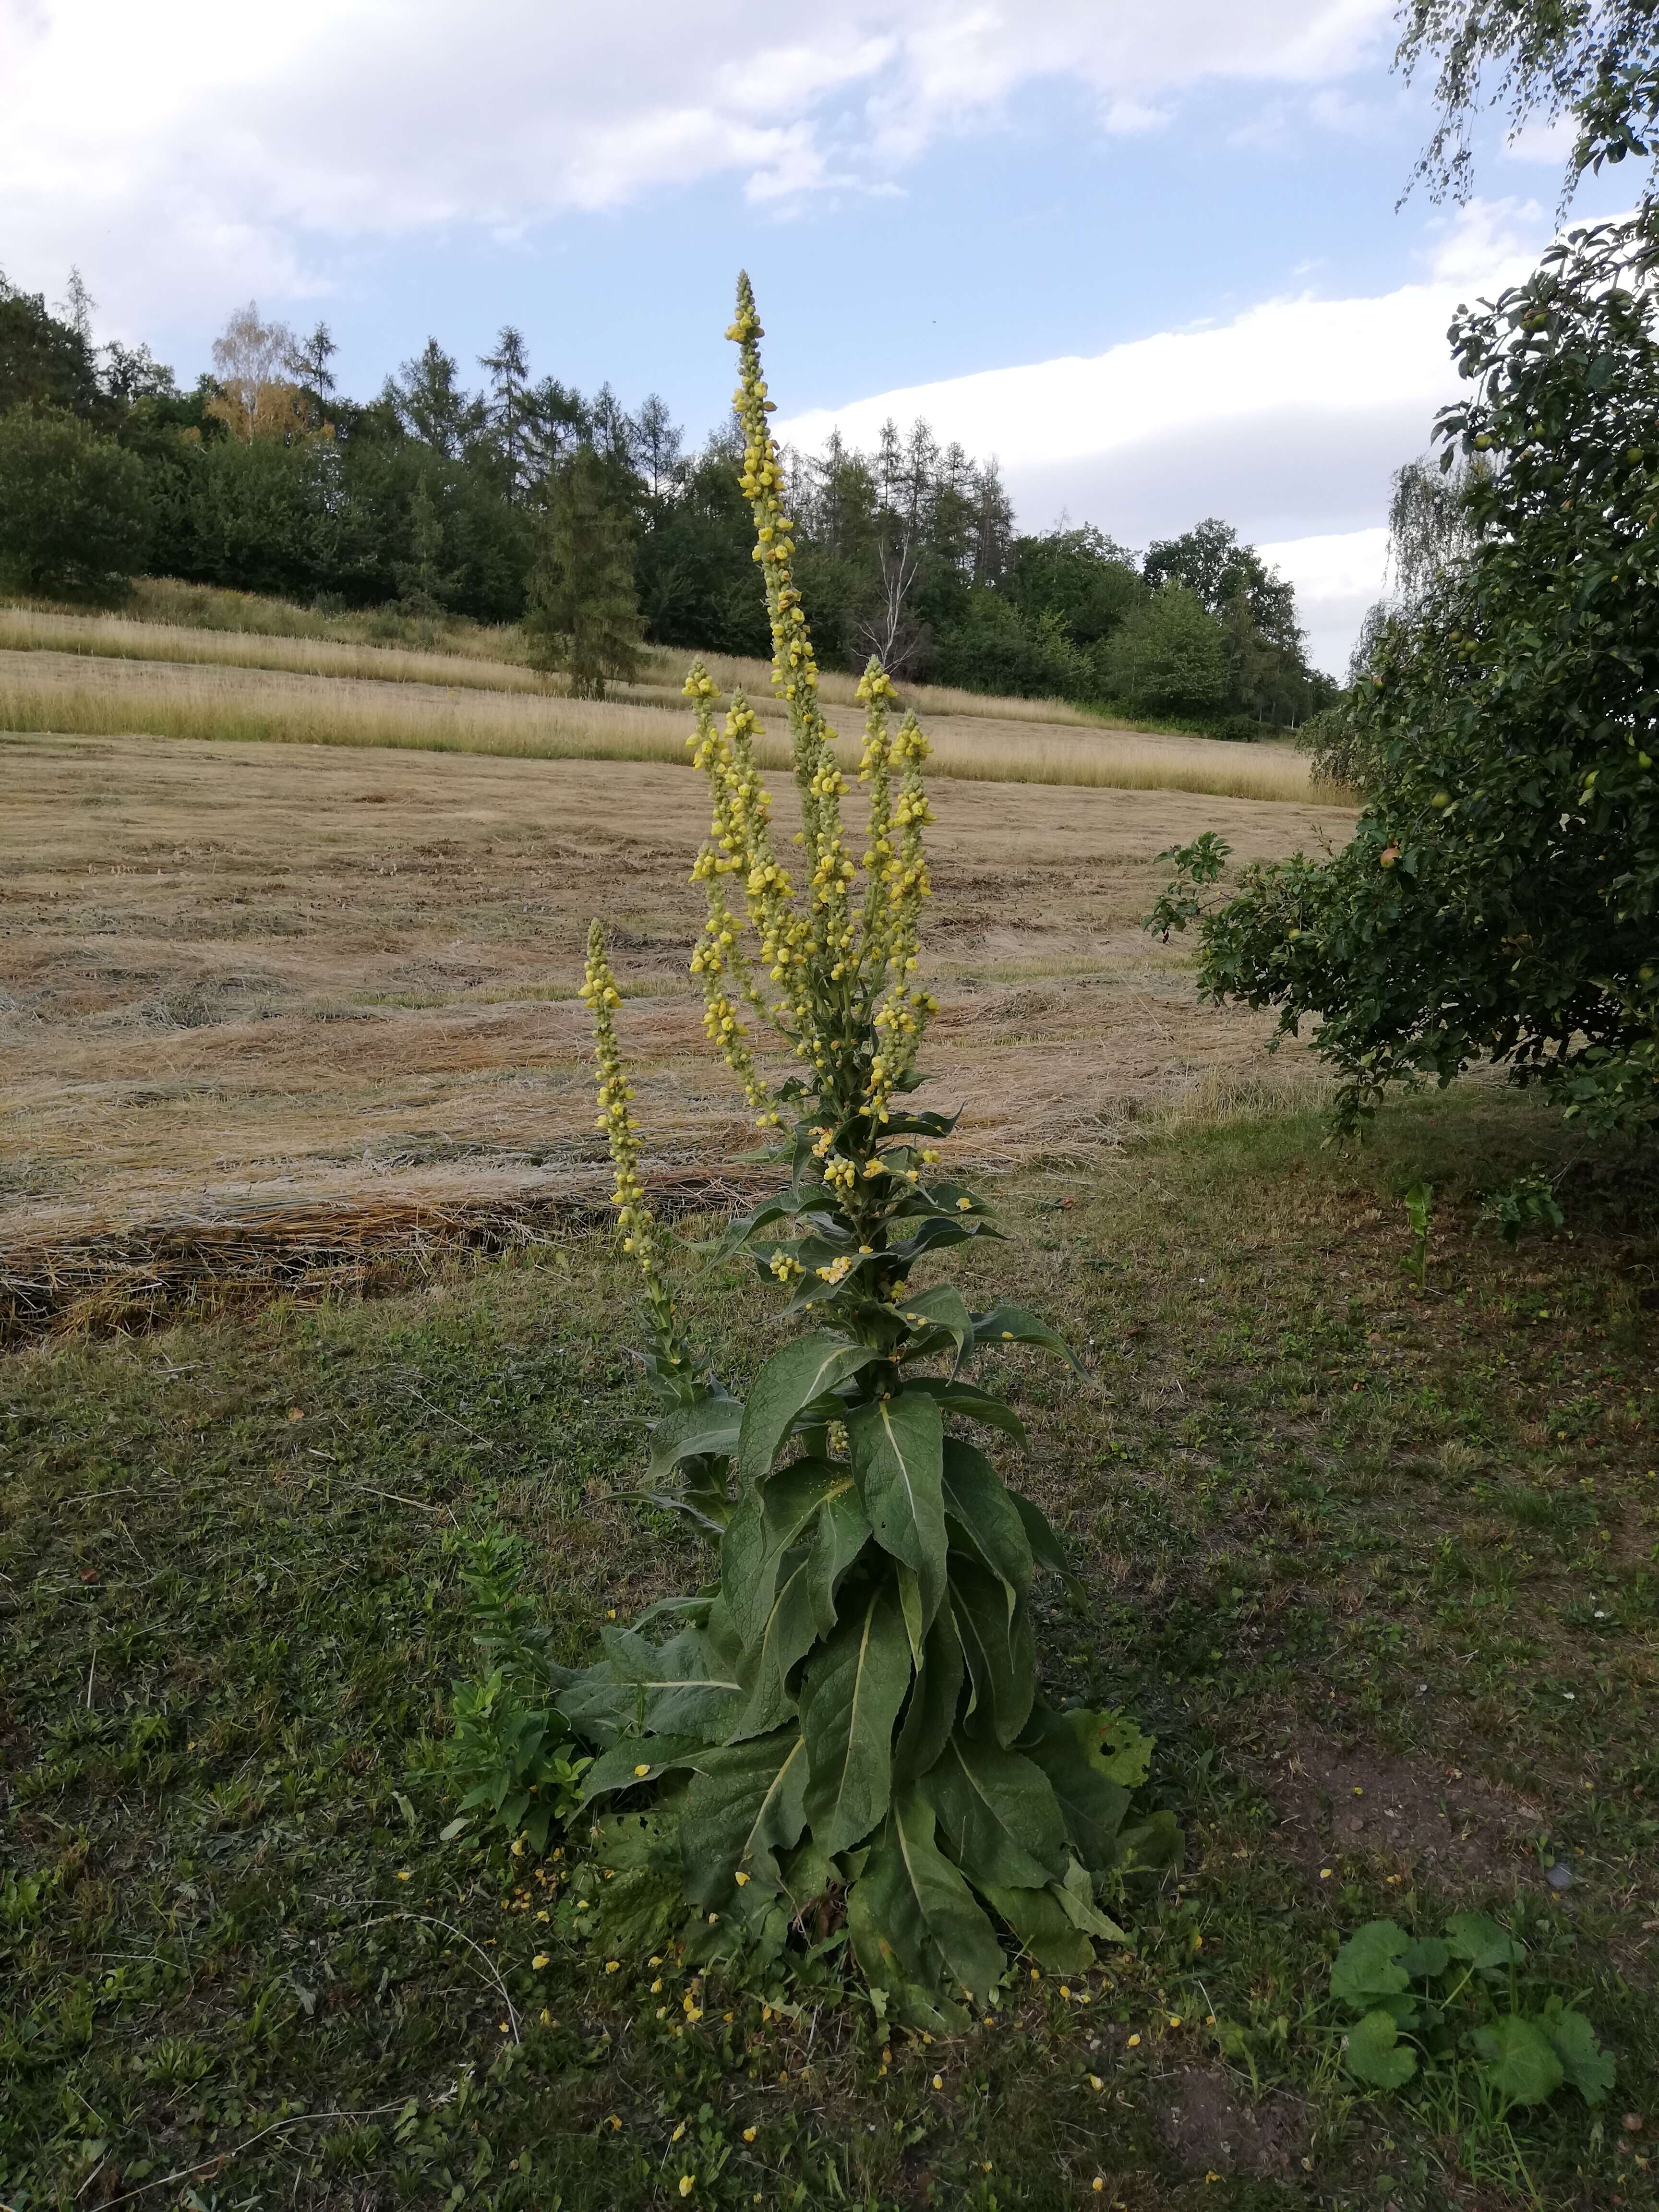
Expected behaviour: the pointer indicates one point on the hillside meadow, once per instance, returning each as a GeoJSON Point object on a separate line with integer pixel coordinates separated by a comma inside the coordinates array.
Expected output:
{"type": "Point", "coordinates": [299, 1214]}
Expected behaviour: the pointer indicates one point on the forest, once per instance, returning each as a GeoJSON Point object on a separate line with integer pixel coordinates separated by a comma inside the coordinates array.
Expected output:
{"type": "Point", "coordinates": [436, 498]}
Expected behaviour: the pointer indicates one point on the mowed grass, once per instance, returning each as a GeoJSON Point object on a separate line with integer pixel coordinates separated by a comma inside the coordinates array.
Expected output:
{"type": "Point", "coordinates": [1377, 1568]}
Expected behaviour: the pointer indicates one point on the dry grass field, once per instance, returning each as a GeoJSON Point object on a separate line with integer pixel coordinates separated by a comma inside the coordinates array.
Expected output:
{"type": "Point", "coordinates": [237, 973]}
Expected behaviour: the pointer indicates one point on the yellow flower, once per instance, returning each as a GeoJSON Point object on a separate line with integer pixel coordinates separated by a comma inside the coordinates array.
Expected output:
{"type": "Point", "coordinates": [687, 2183]}
{"type": "Point", "coordinates": [1133, 2041]}
{"type": "Point", "coordinates": [642, 1770]}
{"type": "Point", "coordinates": [540, 1961]}
{"type": "Point", "coordinates": [749, 2135]}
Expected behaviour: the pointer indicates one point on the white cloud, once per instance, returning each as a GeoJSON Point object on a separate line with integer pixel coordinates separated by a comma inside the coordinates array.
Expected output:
{"type": "Point", "coordinates": [1289, 420]}
{"type": "Point", "coordinates": [187, 152]}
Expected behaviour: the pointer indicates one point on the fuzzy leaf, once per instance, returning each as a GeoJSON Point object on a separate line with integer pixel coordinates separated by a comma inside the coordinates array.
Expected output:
{"type": "Point", "coordinates": [996, 1629]}
{"type": "Point", "coordinates": [997, 1815]}
{"type": "Point", "coordinates": [942, 1309]}
{"type": "Point", "coordinates": [1046, 1550]}
{"type": "Point", "coordinates": [897, 1446]}
{"type": "Point", "coordinates": [788, 1636]}
{"type": "Point", "coordinates": [691, 1431]}
{"type": "Point", "coordinates": [1375, 2053]}
{"type": "Point", "coordinates": [618, 1768]}
{"type": "Point", "coordinates": [1521, 2062]}
{"type": "Point", "coordinates": [932, 1712]}
{"type": "Point", "coordinates": [1012, 1324]}
{"type": "Point", "coordinates": [1586, 2066]}
{"type": "Point", "coordinates": [1367, 1968]}
{"type": "Point", "coordinates": [986, 1514]}
{"type": "Point", "coordinates": [791, 1381]}
{"type": "Point", "coordinates": [765, 1524]}
{"type": "Point", "coordinates": [922, 1911]}
{"type": "Point", "coordinates": [969, 1404]}
{"type": "Point", "coordinates": [840, 1535]}
{"type": "Point", "coordinates": [1066, 1746]}
{"type": "Point", "coordinates": [745, 1804]}
{"type": "Point", "coordinates": [1481, 1941]}
{"type": "Point", "coordinates": [850, 1697]}
{"type": "Point", "coordinates": [1427, 1957]}
{"type": "Point", "coordinates": [1046, 1930]}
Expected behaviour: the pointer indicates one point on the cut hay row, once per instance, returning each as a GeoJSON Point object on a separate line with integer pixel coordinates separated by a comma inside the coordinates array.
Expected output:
{"type": "Point", "coordinates": [127, 1281]}
{"type": "Point", "coordinates": [47, 690]}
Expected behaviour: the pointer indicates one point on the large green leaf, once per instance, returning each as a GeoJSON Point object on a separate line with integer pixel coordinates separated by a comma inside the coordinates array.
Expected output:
{"type": "Point", "coordinates": [840, 1533]}
{"type": "Point", "coordinates": [1586, 2066]}
{"type": "Point", "coordinates": [767, 1522]}
{"type": "Point", "coordinates": [969, 1403]}
{"type": "Point", "coordinates": [1046, 1930]}
{"type": "Point", "coordinates": [932, 1712]}
{"type": "Point", "coordinates": [997, 1815]}
{"type": "Point", "coordinates": [620, 1768]}
{"type": "Point", "coordinates": [985, 1511]}
{"type": "Point", "coordinates": [1521, 2062]}
{"type": "Point", "coordinates": [790, 1381]}
{"type": "Point", "coordinates": [1091, 1804]}
{"type": "Point", "coordinates": [850, 1696]}
{"type": "Point", "coordinates": [690, 1431]}
{"type": "Point", "coordinates": [684, 1687]}
{"type": "Point", "coordinates": [941, 1312]}
{"type": "Point", "coordinates": [1366, 1971]}
{"type": "Point", "coordinates": [1012, 1324]}
{"type": "Point", "coordinates": [1046, 1550]}
{"type": "Point", "coordinates": [1472, 1936]}
{"type": "Point", "coordinates": [745, 1804]}
{"type": "Point", "coordinates": [995, 1628]}
{"type": "Point", "coordinates": [1375, 2054]}
{"type": "Point", "coordinates": [898, 1446]}
{"type": "Point", "coordinates": [917, 1913]}
{"type": "Point", "coordinates": [788, 1636]}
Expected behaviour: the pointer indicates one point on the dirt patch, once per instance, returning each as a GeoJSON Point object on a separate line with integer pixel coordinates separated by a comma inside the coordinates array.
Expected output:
{"type": "Point", "coordinates": [1207, 2127]}
{"type": "Point", "coordinates": [1333, 1802]}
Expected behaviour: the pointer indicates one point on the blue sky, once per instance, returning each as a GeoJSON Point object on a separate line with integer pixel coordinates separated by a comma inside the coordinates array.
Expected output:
{"type": "Point", "coordinates": [1190, 206]}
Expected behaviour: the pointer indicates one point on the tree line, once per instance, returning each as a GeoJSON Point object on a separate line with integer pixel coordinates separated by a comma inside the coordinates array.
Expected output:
{"type": "Point", "coordinates": [526, 500]}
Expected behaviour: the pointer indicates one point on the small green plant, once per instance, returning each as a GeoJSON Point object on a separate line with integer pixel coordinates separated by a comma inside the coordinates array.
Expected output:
{"type": "Point", "coordinates": [1420, 1213]}
{"type": "Point", "coordinates": [1528, 1202]}
{"type": "Point", "coordinates": [843, 1736]}
{"type": "Point", "coordinates": [511, 1755]}
{"type": "Point", "coordinates": [1456, 1999]}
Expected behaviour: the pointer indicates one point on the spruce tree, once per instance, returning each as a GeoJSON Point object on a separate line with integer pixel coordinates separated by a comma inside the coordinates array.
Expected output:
{"type": "Point", "coordinates": [582, 616]}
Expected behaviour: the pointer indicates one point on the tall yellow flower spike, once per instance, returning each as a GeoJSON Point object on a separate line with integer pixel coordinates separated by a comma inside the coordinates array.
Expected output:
{"type": "Point", "coordinates": [615, 1094]}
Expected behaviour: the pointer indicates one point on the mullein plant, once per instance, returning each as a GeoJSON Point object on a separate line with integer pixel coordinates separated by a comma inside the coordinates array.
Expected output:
{"type": "Point", "coordinates": [844, 1729]}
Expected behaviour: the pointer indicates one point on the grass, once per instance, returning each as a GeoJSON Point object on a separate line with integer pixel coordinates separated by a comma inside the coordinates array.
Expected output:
{"type": "Point", "coordinates": [1377, 1568]}
{"type": "Point", "coordinates": [200, 622]}
{"type": "Point", "coordinates": [94, 691]}
{"type": "Point", "coordinates": [236, 973]}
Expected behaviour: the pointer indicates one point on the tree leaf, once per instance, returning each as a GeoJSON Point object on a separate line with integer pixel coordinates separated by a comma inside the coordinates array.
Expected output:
{"type": "Point", "coordinates": [746, 1803]}
{"type": "Point", "coordinates": [1585, 2065]}
{"type": "Point", "coordinates": [850, 1697]}
{"type": "Point", "coordinates": [1521, 2062]}
{"type": "Point", "coordinates": [1012, 1324]}
{"type": "Point", "coordinates": [1375, 2054]}
{"type": "Point", "coordinates": [1368, 1966]}
{"type": "Point", "coordinates": [997, 1815]}
{"type": "Point", "coordinates": [920, 1910]}
{"type": "Point", "coordinates": [791, 1381]}
{"type": "Point", "coordinates": [994, 1625]}
{"type": "Point", "coordinates": [986, 1514]}
{"type": "Point", "coordinates": [897, 1447]}
{"type": "Point", "coordinates": [767, 1522]}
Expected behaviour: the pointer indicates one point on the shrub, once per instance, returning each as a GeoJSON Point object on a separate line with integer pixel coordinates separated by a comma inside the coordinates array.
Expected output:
{"type": "Point", "coordinates": [1167, 656]}
{"type": "Point", "coordinates": [74, 520]}
{"type": "Point", "coordinates": [846, 1724]}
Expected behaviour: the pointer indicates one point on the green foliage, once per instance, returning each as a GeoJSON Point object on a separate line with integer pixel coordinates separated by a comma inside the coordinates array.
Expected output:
{"type": "Point", "coordinates": [510, 1755]}
{"type": "Point", "coordinates": [582, 616]}
{"type": "Point", "coordinates": [1497, 899]}
{"type": "Point", "coordinates": [1527, 1202]}
{"type": "Point", "coordinates": [845, 1727]}
{"type": "Point", "coordinates": [74, 518]}
{"type": "Point", "coordinates": [1431, 2004]}
{"type": "Point", "coordinates": [1169, 656]}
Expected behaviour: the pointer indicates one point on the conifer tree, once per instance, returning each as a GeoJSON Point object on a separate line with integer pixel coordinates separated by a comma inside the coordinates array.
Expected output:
{"type": "Point", "coordinates": [583, 616]}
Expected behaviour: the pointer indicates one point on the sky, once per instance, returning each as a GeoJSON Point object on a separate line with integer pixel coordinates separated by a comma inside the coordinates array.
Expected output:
{"type": "Point", "coordinates": [1153, 259]}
